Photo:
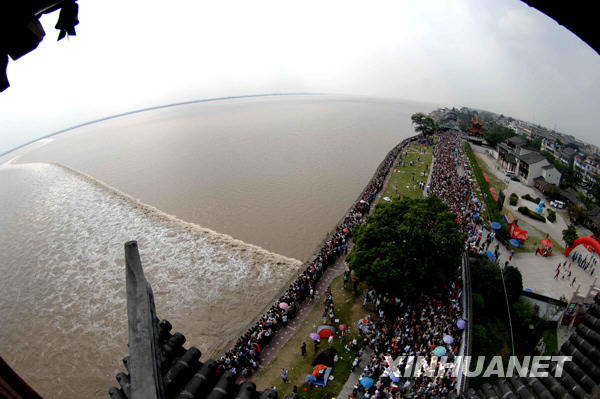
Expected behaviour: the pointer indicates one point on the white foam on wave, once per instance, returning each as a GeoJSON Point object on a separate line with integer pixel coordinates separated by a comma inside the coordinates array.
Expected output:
{"type": "Point", "coordinates": [24, 150]}
{"type": "Point", "coordinates": [64, 291]}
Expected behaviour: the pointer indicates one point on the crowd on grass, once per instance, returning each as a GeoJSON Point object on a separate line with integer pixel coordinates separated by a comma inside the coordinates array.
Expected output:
{"type": "Point", "coordinates": [244, 358]}
{"type": "Point", "coordinates": [416, 326]}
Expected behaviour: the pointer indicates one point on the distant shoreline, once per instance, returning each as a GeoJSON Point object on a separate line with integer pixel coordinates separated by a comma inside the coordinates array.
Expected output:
{"type": "Point", "coordinates": [137, 111]}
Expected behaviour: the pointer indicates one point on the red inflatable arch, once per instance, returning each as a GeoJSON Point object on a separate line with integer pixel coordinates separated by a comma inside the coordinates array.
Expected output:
{"type": "Point", "coordinates": [589, 240]}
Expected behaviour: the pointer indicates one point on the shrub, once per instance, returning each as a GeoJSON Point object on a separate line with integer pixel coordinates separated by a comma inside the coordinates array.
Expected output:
{"type": "Point", "coordinates": [570, 235]}
{"type": "Point", "coordinates": [514, 198]}
{"type": "Point", "coordinates": [530, 198]}
{"type": "Point", "coordinates": [492, 205]}
{"type": "Point", "coordinates": [532, 214]}
{"type": "Point", "coordinates": [551, 216]}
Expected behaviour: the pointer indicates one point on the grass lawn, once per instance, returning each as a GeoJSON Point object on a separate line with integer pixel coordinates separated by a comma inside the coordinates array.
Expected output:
{"type": "Point", "coordinates": [349, 310]}
{"type": "Point", "coordinates": [402, 175]}
{"type": "Point", "coordinates": [551, 339]}
{"type": "Point", "coordinates": [495, 182]}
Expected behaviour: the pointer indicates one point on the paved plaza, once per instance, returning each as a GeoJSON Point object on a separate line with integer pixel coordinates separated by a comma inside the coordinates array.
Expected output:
{"type": "Point", "coordinates": [538, 272]}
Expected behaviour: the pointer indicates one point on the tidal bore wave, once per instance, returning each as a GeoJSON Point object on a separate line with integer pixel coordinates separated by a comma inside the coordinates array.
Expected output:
{"type": "Point", "coordinates": [62, 295]}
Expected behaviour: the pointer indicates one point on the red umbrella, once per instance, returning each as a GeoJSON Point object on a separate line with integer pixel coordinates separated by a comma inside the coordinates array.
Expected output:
{"type": "Point", "coordinates": [283, 305]}
{"type": "Point", "coordinates": [547, 242]}
{"type": "Point", "coordinates": [325, 333]}
{"type": "Point", "coordinates": [346, 231]}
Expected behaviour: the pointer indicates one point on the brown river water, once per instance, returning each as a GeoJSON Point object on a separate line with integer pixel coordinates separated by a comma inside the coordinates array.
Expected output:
{"type": "Point", "coordinates": [223, 198]}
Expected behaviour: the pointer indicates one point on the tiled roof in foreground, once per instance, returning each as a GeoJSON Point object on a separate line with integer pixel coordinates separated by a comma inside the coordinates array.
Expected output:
{"type": "Point", "coordinates": [158, 366]}
{"type": "Point", "coordinates": [580, 377]}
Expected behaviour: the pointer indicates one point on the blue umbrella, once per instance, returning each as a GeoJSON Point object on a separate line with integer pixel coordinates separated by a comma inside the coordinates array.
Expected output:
{"type": "Point", "coordinates": [496, 226]}
{"type": "Point", "coordinates": [475, 199]}
{"type": "Point", "coordinates": [311, 379]}
{"type": "Point", "coordinates": [395, 377]}
{"type": "Point", "coordinates": [461, 324]}
{"type": "Point", "coordinates": [476, 216]}
{"type": "Point", "coordinates": [366, 382]}
{"type": "Point", "coordinates": [514, 242]}
{"type": "Point", "coordinates": [448, 339]}
{"type": "Point", "coordinates": [491, 256]}
{"type": "Point", "coordinates": [439, 351]}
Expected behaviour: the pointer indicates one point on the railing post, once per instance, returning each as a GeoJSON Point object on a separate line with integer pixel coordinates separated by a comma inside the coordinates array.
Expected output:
{"type": "Point", "coordinates": [144, 350]}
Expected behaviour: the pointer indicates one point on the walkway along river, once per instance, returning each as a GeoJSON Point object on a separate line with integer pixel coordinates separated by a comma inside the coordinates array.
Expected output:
{"type": "Point", "coordinates": [247, 351]}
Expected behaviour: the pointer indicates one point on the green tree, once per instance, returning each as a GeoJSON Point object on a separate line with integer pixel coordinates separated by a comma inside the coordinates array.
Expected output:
{"type": "Point", "coordinates": [570, 235]}
{"type": "Point", "coordinates": [478, 304]}
{"type": "Point", "coordinates": [487, 281]}
{"type": "Point", "coordinates": [482, 344]}
{"type": "Point", "coordinates": [514, 283]}
{"type": "Point", "coordinates": [552, 191]}
{"type": "Point", "coordinates": [576, 212]}
{"type": "Point", "coordinates": [595, 192]}
{"type": "Point", "coordinates": [408, 246]}
{"type": "Point", "coordinates": [424, 124]}
{"type": "Point", "coordinates": [497, 133]}
{"type": "Point", "coordinates": [536, 143]}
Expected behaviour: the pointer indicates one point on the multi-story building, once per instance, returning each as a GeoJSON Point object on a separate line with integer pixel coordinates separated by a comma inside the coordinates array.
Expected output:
{"type": "Point", "coordinates": [530, 166]}
{"type": "Point", "coordinates": [533, 165]}
{"type": "Point", "coordinates": [587, 167]}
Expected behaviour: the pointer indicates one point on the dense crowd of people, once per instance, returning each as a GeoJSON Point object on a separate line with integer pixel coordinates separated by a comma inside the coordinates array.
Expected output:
{"type": "Point", "coordinates": [405, 327]}
{"type": "Point", "coordinates": [412, 328]}
{"type": "Point", "coordinates": [244, 358]}
{"type": "Point", "coordinates": [418, 325]}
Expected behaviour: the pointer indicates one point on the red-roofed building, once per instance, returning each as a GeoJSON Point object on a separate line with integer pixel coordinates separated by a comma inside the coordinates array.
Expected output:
{"type": "Point", "coordinates": [476, 127]}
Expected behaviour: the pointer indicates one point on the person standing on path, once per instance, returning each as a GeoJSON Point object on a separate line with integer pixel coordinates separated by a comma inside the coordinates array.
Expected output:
{"type": "Point", "coordinates": [284, 375]}
{"type": "Point", "coordinates": [303, 349]}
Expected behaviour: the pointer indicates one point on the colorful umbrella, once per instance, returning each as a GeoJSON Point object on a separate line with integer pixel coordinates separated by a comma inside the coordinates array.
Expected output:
{"type": "Point", "coordinates": [547, 242]}
{"type": "Point", "coordinates": [315, 336]}
{"type": "Point", "coordinates": [491, 256]}
{"type": "Point", "coordinates": [439, 351]}
{"type": "Point", "coordinates": [326, 331]}
{"type": "Point", "coordinates": [366, 382]}
{"type": "Point", "coordinates": [461, 324]}
{"type": "Point", "coordinates": [448, 339]}
{"type": "Point", "coordinates": [496, 226]}
{"type": "Point", "coordinates": [514, 243]}
{"type": "Point", "coordinates": [283, 306]}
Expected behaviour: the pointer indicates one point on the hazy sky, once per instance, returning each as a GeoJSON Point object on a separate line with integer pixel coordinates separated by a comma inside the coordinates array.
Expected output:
{"type": "Point", "coordinates": [498, 55]}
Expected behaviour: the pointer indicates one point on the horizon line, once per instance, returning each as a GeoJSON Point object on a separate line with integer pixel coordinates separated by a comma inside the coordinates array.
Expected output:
{"type": "Point", "coordinates": [136, 111]}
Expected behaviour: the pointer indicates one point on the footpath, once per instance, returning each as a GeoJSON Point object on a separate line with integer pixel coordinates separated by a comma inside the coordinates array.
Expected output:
{"type": "Point", "coordinates": [333, 271]}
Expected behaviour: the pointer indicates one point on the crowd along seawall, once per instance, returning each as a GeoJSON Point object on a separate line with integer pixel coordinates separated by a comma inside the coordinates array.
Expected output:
{"type": "Point", "coordinates": [386, 162]}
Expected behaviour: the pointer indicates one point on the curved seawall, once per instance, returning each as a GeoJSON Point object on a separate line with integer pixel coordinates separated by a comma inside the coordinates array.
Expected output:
{"type": "Point", "coordinates": [370, 193]}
